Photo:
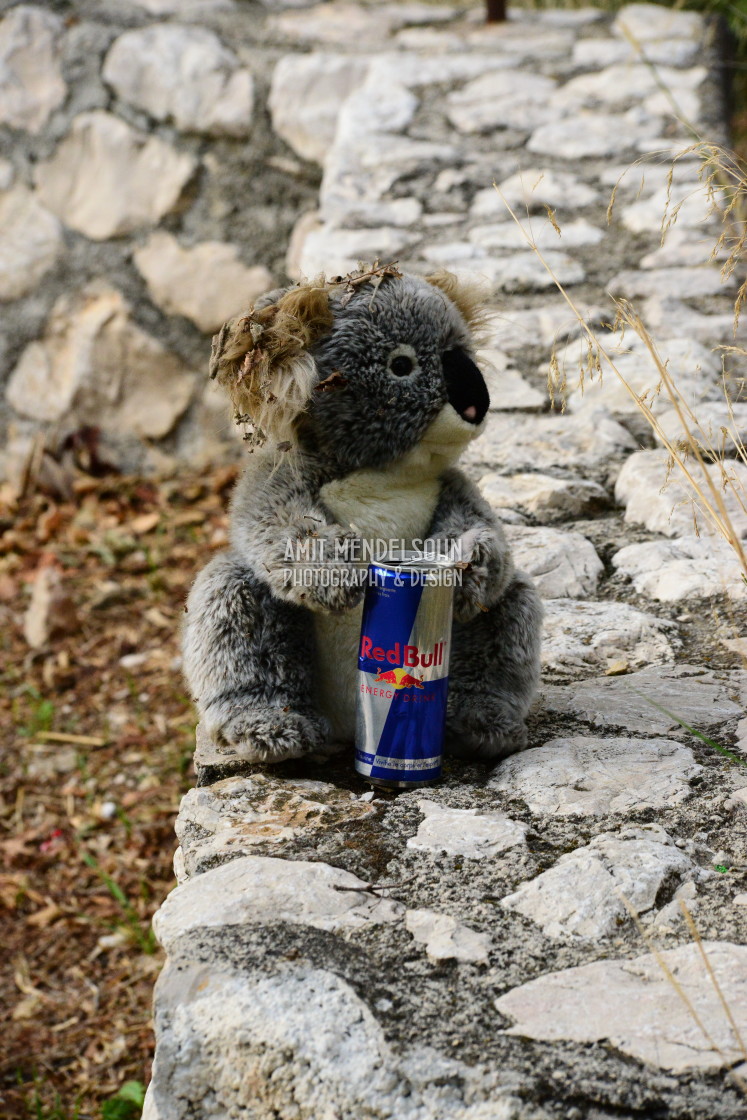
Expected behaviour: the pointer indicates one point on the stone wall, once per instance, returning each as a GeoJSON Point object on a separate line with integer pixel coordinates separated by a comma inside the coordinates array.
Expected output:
{"type": "Point", "coordinates": [144, 198]}
{"type": "Point", "coordinates": [468, 952]}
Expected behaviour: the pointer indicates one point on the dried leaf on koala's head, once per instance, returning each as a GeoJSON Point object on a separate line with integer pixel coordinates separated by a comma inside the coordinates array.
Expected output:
{"type": "Point", "coordinates": [334, 381]}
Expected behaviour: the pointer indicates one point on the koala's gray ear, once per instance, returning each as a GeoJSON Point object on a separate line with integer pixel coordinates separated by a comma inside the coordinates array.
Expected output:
{"type": "Point", "coordinates": [468, 296]}
{"type": "Point", "coordinates": [263, 360]}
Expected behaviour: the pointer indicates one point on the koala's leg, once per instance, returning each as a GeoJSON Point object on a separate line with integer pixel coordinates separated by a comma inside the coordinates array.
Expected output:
{"type": "Point", "coordinates": [248, 660]}
{"type": "Point", "coordinates": [494, 673]}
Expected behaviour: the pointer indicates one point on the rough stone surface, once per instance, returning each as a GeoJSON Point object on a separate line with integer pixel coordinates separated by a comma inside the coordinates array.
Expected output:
{"type": "Point", "coordinates": [694, 369]}
{"type": "Point", "coordinates": [465, 832]}
{"type": "Point", "coordinates": [261, 888]}
{"type": "Point", "coordinates": [106, 178]}
{"type": "Point", "coordinates": [318, 1036]}
{"type": "Point", "coordinates": [594, 776]}
{"type": "Point", "coordinates": [206, 282]}
{"type": "Point", "coordinates": [445, 938]}
{"type": "Point", "coordinates": [690, 567]}
{"type": "Point", "coordinates": [548, 498]}
{"type": "Point", "coordinates": [305, 99]}
{"type": "Point", "coordinates": [31, 81]}
{"type": "Point", "coordinates": [185, 75]}
{"type": "Point", "coordinates": [699, 697]}
{"type": "Point", "coordinates": [562, 565]}
{"type": "Point", "coordinates": [30, 242]}
{"type": "Point", "coordinates": [661, 500]}
{"type": "Point", "coordinates": [233, 816]}
{"type": "Point", "coordinates": [518, 443]}
{"type": "Point", "coordinates": [95, 364]}
{"type": "Point", "coordinates": [585, 893]}
{"type": "Point", "coordinates": [636, 1008]}
{"type": "Point", "coordinates": [579, 636]}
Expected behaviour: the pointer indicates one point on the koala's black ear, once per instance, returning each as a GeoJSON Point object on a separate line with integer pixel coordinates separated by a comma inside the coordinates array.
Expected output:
{"type": "Point", "coordinates": [263, 360]}
{"type": "Point", "coordinates": [468, 296]}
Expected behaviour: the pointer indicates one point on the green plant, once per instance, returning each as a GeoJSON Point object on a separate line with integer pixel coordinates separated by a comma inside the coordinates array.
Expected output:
{"type": "Point", "coordinates": [39, 1108]}
{"type": "Point", "coordinates": [126, 1104]}
{"type": "Point", "coordinates": [698, 734]}
{"type": "Point", "coordinates": [40, 713]}
{"type": "Point", "coordinates": [145, 940]}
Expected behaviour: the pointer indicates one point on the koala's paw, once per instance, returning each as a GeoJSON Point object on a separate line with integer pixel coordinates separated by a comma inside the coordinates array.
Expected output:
{"type": "Point", "coordinates": [271, 734]}
{"type": "Point", "coordinates": [469, 594]}
{"type": "Point", "coordinates": [484, 732]}
{"type": "Point", "coordinates": [337, 589]}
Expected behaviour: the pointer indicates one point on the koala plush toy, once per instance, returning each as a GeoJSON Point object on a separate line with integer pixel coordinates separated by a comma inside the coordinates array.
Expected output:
{"type": "Point", "coordinates": [361, 394]}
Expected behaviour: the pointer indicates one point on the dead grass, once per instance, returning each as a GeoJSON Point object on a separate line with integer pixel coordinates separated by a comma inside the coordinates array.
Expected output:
{"type": "Point", "coordinates": [96, 743]}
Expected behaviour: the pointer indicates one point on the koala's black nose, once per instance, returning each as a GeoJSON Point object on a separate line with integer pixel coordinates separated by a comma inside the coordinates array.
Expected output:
{"type": "Point", "coordinates": [465, 385]}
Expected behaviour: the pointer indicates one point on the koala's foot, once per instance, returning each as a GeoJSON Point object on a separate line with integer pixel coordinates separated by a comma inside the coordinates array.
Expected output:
{"type": "Point", "coordinates": [265, 734]}
{"type": "Point", "coordinates": [484, 730]}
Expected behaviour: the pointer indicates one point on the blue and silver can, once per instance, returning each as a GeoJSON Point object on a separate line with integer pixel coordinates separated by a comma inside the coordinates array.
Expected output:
{"type": "Point", "coordinates": [403, 667]}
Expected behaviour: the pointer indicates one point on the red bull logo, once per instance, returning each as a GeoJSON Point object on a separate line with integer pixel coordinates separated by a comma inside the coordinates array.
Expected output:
{"type": "Point", "coordinates": [399, 678]}
{"type": "Point", "coordinates": [409, 656]}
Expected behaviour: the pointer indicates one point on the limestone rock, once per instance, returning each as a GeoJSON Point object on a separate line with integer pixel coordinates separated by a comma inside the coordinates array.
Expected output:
{"type": "Point", "coordinates": [524, 443]}
{"type": "Point", "coordinates": [671, 507]}
{"type": "Point", "coordinates": [507, 388]}
{"type": "Point", "coordinates": [593, 53]}
{"type": "Point", "coordinates": [96, 364]}
{"type": "Point", "coordinates": [579, 636]}
{"type": "Point", "coordinates": [182, 74]}
{"type": "Point", "coordinates": [106, 178]}
{"type": "Point", "coordinates": [633, 1005]}
{"type": "Point", "coordinates": [651, 22]}
{"type": "Point", "coordinates": [346, 23]}
{"type": "Point", "coordinates": [690, 567]}
{"type": "Point", "coordinates": [225, 1028]}
{"type": "Point", "coordinates": [305, 98]}
{"type": "Point", "coordinates": [507, 235]}
{"type": "Point", "coordinates": [662, 312]}
{"type": "Point", "coordinates": [721, 426]}
{"type": "Point", "coordinates": [465, 832]}
{"type": "Point", "coordinates": [532, 190]}
{"type": "Point", "coordinates": [208, 282]}
{"type": "Point", "coordinates": [51, 611]}
{"type": "Point", "coordinates": [234, 815]}
{"type": "Point", "coordinates": [30, 242]}
{"type": "Point", "coordinates": [336, 252]}
{"type": "Point", "coordinates": [590, 776]}
{"type": "Point", "coordinates": [695, 371]}
{"type": "Point", "coordinates": [562, 565]}
{"type": "Point", "coordinates": [580, 895]}
{"type": "Point", "coordinates": [688, 283]}
{"type": "Point", "coordinates": [192, 9]}
{"type": "Point", "coordinates": [257, 889]}
{"type": "Point", "coordinates": [689, 205]}
{"type": "Point", "coordinates": [503, 99]}
{"type": "Point", "coordinates": [445, 938]}
{"type": "Point", "coordinates": [543, 496]}
{"type": "Point", "coordinates": [699, 697]}
{"type": "Point", "coordinates": [31, 82]}
{"type": "Point", "coordinates": [588, 135]}
{"type": "Point", "coordinates": [614, 86]}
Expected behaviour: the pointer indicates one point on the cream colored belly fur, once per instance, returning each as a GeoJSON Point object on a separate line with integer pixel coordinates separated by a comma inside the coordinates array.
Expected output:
{"type": "Point", "coordinates": [396, 503]}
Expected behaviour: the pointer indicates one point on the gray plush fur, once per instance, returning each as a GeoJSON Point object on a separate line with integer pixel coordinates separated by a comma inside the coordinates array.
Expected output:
{"type": "Point", "coordinates": [251, 645]}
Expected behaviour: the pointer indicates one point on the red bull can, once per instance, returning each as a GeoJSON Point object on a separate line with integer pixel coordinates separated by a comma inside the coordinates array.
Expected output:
{"type": "Point", "coordinates": [403, 672]}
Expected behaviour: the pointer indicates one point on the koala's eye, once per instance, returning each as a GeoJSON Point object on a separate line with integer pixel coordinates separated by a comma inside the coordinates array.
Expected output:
{"type": "Point", "coordinates": [401, 365]}
{"type": "Point", "coordinates": [403, 360]}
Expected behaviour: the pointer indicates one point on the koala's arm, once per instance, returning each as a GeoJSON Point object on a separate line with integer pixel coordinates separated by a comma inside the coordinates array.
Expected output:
{"type": "Point", "coordinates": [276, 514]}
{"type": "Point", "coordinates": [464, 518]}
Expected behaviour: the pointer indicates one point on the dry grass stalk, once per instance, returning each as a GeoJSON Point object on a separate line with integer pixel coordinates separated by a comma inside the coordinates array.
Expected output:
{"type": "Point", "coordinates": [708, 492]}
{"type": "Point", "coordinates": [682, 994]}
